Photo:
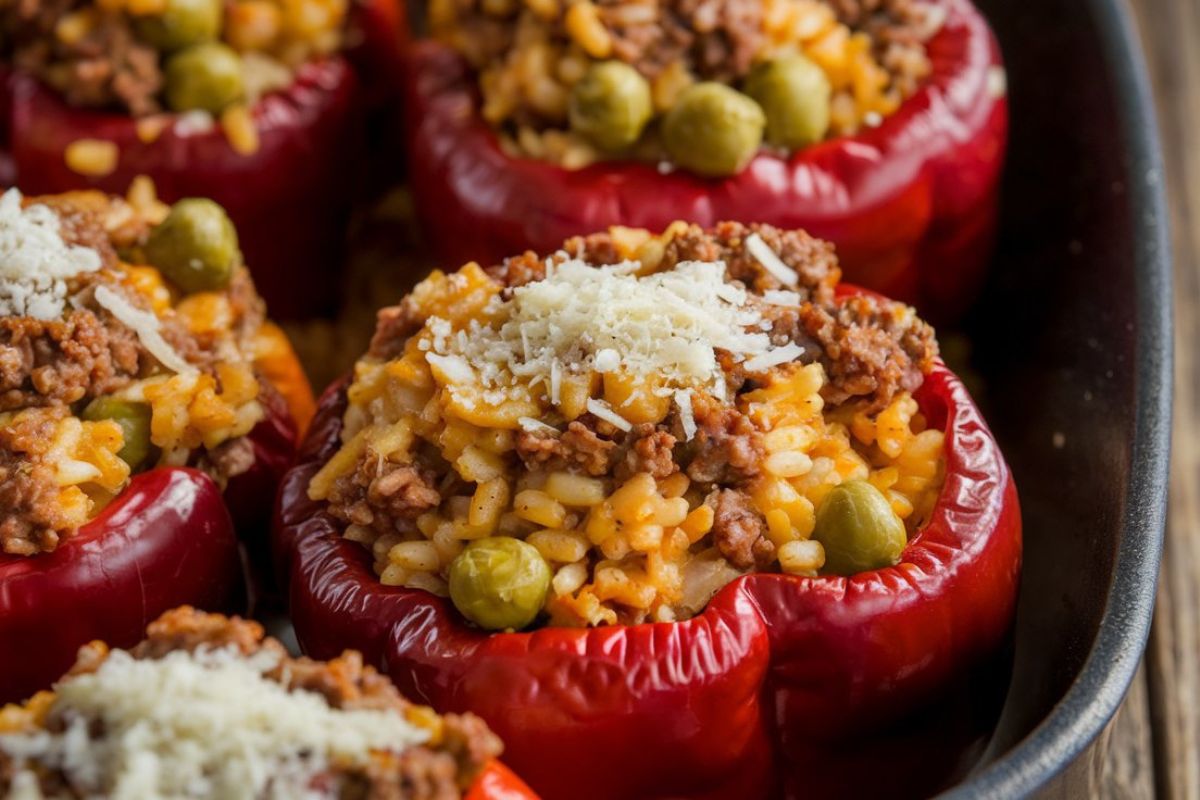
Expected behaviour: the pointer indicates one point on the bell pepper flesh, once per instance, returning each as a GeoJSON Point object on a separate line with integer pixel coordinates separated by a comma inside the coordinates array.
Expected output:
{"type": "Point", "coordinates": [778, 670]}
{"type": "Point", "coordinates": [499, 783]}
{"type": "Point", "coordinates": [165, 541]}
{"type": "Point", "coordinates": [910, 204]}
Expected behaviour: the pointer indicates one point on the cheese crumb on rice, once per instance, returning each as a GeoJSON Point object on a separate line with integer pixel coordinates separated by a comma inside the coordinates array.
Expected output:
{"type": "Point", "coordinates": [35, 260]}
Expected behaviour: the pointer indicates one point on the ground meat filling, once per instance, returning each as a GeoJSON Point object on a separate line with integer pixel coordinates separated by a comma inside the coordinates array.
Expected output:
{"type": "Point", "coordinates": [28, 490]}
{"type": "Point", "coordinates": [106, 66]}
{"type": "Point", "coordinates": [440, 770]}
{"type": "Point", "coordinates": [720, 38]}
{"type": "Point", "coordinates": [578, 446]}
{"type": "Point", "coordinates": [541, 414]}
{"type": "Point", "coordinates": [62, 364]}
{"type": "Point", "coordinates": [383, 495]}
{"type": "Point", "coordinates": [62, 361]}
{"type": "Point", "coordinates": [727, 448]}
{"type": "Point", "coordinates": [739, 531]}
{"type": "Point", "coordinates": [870, 347]}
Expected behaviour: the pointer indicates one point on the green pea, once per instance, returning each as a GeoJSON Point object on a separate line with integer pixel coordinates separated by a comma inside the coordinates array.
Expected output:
{"type": "Point", "coordinates": [204, 77]}
{"type": "Point", "coordinates": [196, 246]}
{"type": "Point", "coordinates": [713, 130]}
{"type": "Point", "coordinates": [794, 94]}
{"type": "Point", "coordinates": [858, 529]}
{"type": "Point", "coordinates": [182, 23]}
{"type": "Point", "coordinates": [499, 583]}
{"type": "Point", "coordinates": [134, 419]}
{"type": "Point", "coordinates": [611, 105]}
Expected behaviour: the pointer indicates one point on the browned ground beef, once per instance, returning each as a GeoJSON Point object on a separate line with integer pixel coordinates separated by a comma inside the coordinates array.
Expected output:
{"type": "Point", "coordinates": [438, 771]}
{"type": "Point", "coordinates": [107, 67]}
{"type": "Point", "coordinates": [648, 449]}
{"type": "Point", "coordinates": [85, 354]}
{"type": "Point", "coordinates": [382, 494]}
{"type": "Point", "coordinates": [727, 448]}
{"type": "Point", "coordinates": [739, 531]}
{"type": "Point", "coordinates": [870, 348]}
{"type": "Point", "coordinates": [579, 446]}
{"type": "Point", "coordinates": [28, 490]}
{"type": "Point", "coordinates": [719, 38]}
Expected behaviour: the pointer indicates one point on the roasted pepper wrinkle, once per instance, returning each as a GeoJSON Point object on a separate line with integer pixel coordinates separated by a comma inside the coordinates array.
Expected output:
{"type": "Point", "coordinates": [778, 677]}
{"type": "Point", "coordinates": [911, 204]}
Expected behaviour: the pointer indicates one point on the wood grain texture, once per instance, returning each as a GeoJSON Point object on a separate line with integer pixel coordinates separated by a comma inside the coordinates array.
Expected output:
{"type": "Point", "coordinates": [1170, 30]}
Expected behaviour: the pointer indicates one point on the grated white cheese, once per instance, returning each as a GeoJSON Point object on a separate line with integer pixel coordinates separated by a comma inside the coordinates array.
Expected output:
{"type": "Point", "coordinates": [602, 411]}
{"type": "Point", "coordinates": [531, 425]}
{"type": "Point", "coordinates": [35, 261]}
{"type": "Point", "coordinates": [146, 326]}
{"type": "Point", "coordinates": [770, 260]}
{"type": "Point", "coordinates": [201, 725]}
{"type": "Point", "coordinates": [775, 297]}
{"type": "Point", "coordinates": [782, 355]}
{"type": "Point", "coordinates": [607, 360]}
{"type": "Point", "coordinates": [606, 319]}
{"type": "Point", "coordinates": [683, 400]}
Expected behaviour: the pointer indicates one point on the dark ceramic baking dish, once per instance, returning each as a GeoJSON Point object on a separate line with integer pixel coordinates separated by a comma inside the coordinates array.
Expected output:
{"type": "Point", "coordinates": [1072, 340]}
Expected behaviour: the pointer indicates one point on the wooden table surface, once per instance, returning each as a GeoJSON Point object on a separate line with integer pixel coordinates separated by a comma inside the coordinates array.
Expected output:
{"type": "Point", "coordinates": [1155, 746]}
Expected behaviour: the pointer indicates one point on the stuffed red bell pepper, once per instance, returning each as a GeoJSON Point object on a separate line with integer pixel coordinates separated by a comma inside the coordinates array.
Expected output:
{"type": "Point", "coordinates": [206, 707]}
{"type": "Point", "coordinates": [675, 512]}
{"type": "Point", "coordinates": [878, 126]}
{"type": "Point", "coordinates": [144, 399]}
{"type": "Point", "coordinates": [257, 104]}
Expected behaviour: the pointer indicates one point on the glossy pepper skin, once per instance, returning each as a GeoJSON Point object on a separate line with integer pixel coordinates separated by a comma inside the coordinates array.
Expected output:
{"type": "Point", "coordinates": [779, 679]}
{"type": "Point", "coordinates": [497, 782]}
{"type": "Point", "coordinates": [911, 204]}
{"type": "Point", "coordinates": [290, 200]}
{"type": "Point", "coordinates": [167, 540]}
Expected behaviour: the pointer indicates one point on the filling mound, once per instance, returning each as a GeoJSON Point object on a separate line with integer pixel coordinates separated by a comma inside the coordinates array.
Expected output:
{"type": "Point", "coordinates": [205, 707]}
{"type": "Point", "coordinates": [202, 59]}
{"type": "Point", "coordinates": [702, 86]}
{"type": "Point", "coordinates": [613, 433]}
{"type": "Point", "coordinates": [128, 334]}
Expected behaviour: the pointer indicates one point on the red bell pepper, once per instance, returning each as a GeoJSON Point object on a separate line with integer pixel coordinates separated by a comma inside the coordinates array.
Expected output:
{"type": "Point", "coordinates": [822, 683]}
{"type": "Point", "coordinates": [911, 204]}
{"type": "Point", "coordinates": [166, 541]}
{"type": "Point", "coordinates": [290, 200]}
{"type": "Point", "coordinates": [497, 782]}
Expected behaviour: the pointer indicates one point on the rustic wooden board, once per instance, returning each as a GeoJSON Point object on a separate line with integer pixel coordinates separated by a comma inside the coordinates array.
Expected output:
{"type": "Point", "coordinates": [1167, 695]}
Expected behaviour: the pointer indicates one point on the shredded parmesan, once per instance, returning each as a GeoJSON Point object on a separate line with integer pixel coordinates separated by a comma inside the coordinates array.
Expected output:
{"type": "Point", "coordinates": [775, 297]}
{"type": "Point", "coordinates": [35, 261]}
{"type": "Point", "coordinates": [602, 411]}
{"type": "Point", "coordinates": [198, 725]}
{"type": "Point", "coordinates": [683, 400]}
{"type": "Point", "coordinates": [531, 425]}
{"type": "Point", "coordinates": [584, 318]}
{"type": "Point", "coordinates": [782, 355]}
{"type": "Point", "coordinates": [146, 326]}
{"type": "Point", "coordinates": [770, 260]}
